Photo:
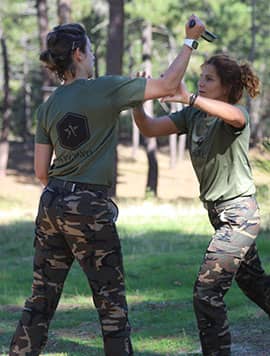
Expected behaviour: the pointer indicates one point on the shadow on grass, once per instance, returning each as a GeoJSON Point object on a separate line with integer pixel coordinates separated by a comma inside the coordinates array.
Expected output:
{"type": "Point", "coordinates": [151, 264]}
{"type": "Point", "coordinates": [70, 347]}
{"type": "Point", "coordinates": [243, 343]}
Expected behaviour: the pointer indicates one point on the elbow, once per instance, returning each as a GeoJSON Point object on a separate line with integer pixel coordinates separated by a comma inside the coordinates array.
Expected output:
{"type": "Point", "coordinates": [148, 134]}
{"type": "Point", "coordinates": [145, 132]}
{"type": "Point", "coordinates": [169, 88]}
{"type": "Point", "coordinates": [239, 122]}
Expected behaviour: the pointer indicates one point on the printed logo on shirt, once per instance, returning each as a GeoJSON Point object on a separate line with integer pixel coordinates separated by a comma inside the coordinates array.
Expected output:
{"type": "Point", "coordinates": [73, 131]}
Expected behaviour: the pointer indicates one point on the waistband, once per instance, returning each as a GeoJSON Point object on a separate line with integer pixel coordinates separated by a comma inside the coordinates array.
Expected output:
{"type": "Point", "coordinates": [73, 186]}
{"type": "Point", "coordinates": [223, 203]}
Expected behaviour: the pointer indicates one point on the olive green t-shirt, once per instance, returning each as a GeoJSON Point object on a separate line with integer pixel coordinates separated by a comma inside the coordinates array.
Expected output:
{"type": "Point", "coordinates": [219, 154]}
{"type": "Point", "coordinates": [80, 121]}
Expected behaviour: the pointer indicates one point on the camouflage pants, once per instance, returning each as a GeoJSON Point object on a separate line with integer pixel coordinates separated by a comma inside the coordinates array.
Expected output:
{"type": "Point", "coordinates": [75, 225]}
{"type": "Point", "coordinates": [231, 253]}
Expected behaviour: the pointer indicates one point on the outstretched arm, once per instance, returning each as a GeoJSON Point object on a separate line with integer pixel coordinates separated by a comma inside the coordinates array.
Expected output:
{"type": "Point", "coordinates": [168, 84]}
{"type": "Point", "coordinates": [153, 127]}
{"type": "Point", "coordinates": [221, 109]}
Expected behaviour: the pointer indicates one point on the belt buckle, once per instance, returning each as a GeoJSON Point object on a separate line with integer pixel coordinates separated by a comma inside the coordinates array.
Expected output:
{"type": "Point", "coordinates": [73, 187]}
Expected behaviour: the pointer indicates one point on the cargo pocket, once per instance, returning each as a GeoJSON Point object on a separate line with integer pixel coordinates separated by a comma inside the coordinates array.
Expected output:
{"type": "Point", "coordinates": [45, 202]}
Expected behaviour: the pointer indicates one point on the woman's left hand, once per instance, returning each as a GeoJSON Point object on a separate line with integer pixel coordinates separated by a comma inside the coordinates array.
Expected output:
{"type": "Point", "coordinates": [181, 96]}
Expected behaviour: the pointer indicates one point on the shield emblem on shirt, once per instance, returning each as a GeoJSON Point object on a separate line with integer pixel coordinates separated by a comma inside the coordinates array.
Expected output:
{"type": "Point", "coordinates": [73, 131]}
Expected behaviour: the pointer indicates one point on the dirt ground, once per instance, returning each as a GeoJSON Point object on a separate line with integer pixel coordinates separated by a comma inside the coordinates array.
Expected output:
{"type": "Point", "coordinates": [174, 182]}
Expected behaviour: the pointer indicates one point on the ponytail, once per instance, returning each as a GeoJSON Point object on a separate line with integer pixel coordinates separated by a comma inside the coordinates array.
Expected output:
{"type": "Point", "coordinates": [249, 80]}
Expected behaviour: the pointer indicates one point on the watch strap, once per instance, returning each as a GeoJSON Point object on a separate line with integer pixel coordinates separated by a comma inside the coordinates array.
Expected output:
{"type": "Point", "coordinates": [191, 43]}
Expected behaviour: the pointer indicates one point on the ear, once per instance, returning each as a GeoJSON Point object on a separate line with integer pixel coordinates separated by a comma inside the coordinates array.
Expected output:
{"type": "Point", "coordinates": [78, 55]}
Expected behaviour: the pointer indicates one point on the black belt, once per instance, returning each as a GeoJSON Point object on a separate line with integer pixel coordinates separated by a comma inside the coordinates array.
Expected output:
{"type": "Point", "coordinates": [73, 186]}
{"type": "Point", "coordinates": [222, 203]}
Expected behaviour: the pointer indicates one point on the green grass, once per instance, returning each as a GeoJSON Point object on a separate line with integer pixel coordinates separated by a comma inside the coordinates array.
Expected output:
{"type": "Point", "coordinates": [162, 255]}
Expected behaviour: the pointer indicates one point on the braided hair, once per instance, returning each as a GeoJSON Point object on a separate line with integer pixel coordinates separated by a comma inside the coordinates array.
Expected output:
{"type": "Point", "coordinates": [62, 41]}
{"type": "Point", "coordinates": [236, 77]}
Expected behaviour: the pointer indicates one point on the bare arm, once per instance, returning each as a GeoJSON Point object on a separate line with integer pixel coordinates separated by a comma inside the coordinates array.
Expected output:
{"type": "Point", "coordinates": [221, 109]}
{"type": "Point", "coordinates": [225, 111]}
{"type": "Point", "coordinates": [168, 84]}
{"type": "Point", "coordinates": [153, 127]}
{"type": "Point", "coordinates": [43, 155]}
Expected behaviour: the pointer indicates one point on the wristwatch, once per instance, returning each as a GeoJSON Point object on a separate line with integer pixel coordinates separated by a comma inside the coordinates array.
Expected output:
{"type": "Point", "coordinates": [193, 44]}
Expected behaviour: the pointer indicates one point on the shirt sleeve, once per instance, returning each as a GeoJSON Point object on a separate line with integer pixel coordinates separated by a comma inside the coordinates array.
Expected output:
{"type": "Point", "coordinates": [180, 119]}
{"type": "Point", "coordinates": [126, 92]}
{"type": "Point", "coordinates": [41, 132]}
{"type": "Point", "coordinates": [236, 130]}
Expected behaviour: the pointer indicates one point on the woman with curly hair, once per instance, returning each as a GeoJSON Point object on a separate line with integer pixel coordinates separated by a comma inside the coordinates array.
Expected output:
{"type": "Point", "coordinates": [218, 131]}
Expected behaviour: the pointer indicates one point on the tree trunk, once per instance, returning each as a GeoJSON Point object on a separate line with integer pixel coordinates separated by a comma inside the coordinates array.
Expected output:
{"type": "Point", "coordinates": [253, 107]}
{"type": "Point", "coordinates": [173, 149]}
{"type": "Point", "coordinates": [135, 130]}
{"type": "Point", "coordinates": [4, 153]}
{"type": "Point", "coordinates": [27, 115]}
{"type": "Point", "coordinates": [173, 142]}
{"type": "Point", "coordinates": [43, 27]}
{"type": "Point", "coordinates": [115, 44]}
{"type": "Point", "coordinates": [135, 139]}
{"type": "Point", "coordinates": [114, 55]}
{"type": "Point", "coordinates": [64, 11]}
{"type": "Point", "coordinates": [181, 147]}
{"type": "Point", "coordinates": [150, 143]}
{"type": "Point", "coordinates": [4, 144]}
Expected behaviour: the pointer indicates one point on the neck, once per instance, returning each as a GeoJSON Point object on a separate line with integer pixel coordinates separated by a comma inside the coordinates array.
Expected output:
{"type": "Point", "coordinates": [79, 75]}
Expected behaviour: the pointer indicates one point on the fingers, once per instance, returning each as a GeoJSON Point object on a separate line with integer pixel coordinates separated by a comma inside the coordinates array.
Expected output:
{"type": "Point", "coordinates": [143, 75]}
{"type": "Point", "coordinates": [140, 74]}
{"type": "Point", "coordinates": [194, 27]}
{"type": "Point", "coordinates": [167, 99]}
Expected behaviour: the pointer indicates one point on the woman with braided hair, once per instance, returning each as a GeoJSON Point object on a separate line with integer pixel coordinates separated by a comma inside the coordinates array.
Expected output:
{"type": "Point", "coordinates": [76, 218]}
{"type": "Point", "coordinates": [218, 131]}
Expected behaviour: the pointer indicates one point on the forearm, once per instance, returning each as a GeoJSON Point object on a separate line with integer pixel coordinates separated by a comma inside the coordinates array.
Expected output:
{"type": "Point", "coordinates": [225, 111]}
{"type": "Point", "coordinates": [175, 73]}
{"type": "Point", "coordinates": [149, 127]}
{"type": "Point", "coordinates": [142, 120]}
{"type": "Point", "coordinates": [42, 160]}
{"type": "Point", "coordinates": [43, 180]}
{"type": "Point", "coordinates": [168, 84]}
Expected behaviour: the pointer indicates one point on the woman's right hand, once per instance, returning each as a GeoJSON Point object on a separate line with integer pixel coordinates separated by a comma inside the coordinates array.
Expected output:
{"type": "Point", "coordinates": [181, 96]}
{"type": "Point", "coordinates": [195, 31]}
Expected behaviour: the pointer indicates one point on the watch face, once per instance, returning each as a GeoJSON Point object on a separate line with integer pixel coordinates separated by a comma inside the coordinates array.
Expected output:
{"type": "Point", "coordinates": [195, 44]}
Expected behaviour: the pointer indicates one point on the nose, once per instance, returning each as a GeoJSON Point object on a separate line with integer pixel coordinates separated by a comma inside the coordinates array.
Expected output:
{"type": "Point", "coordinates": [200, 83]}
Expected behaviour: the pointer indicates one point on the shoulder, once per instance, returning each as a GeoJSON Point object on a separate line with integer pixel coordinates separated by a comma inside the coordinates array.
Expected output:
{"type": "Point", "coordinates": [244, 111]}
{"type": "Point", "coordinates": [117, 80]}
{"type": "Point", "coordinates": [39, 111]}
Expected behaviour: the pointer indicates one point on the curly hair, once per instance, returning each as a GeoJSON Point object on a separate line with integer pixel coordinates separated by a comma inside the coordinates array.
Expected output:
{"type": "Point", "coordinates": [62, 41]}
{"type": "Point", "coordinates": [235, 76]}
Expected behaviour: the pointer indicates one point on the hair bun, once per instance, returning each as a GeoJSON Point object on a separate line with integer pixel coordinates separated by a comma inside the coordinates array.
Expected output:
{"type": "Point", "coordinates": [47, 57]}
{"type": "Point", "coordinates": [52, 38]}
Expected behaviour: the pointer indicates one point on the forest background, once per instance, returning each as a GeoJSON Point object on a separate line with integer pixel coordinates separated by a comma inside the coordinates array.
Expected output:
{"type": "Point", "coordinates": [127, 36]}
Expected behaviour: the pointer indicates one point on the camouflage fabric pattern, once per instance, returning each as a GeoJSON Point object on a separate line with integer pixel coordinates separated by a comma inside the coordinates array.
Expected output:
{"type": "Point", "coordinates": [78, 225]}
{"type": "Point", "coordinates": [231, 253]}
